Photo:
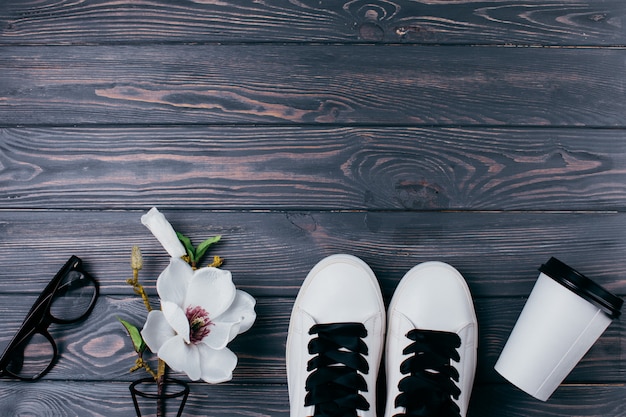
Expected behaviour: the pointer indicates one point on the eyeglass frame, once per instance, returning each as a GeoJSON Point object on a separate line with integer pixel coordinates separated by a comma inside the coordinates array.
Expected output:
{"type": "Point", "coordinates": [39, 318]}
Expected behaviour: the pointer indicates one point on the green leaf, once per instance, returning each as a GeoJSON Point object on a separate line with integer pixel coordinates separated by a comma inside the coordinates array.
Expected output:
{"type": "Point", "coordinates": [138, 344]}
{"type": "Point", "coordinates": [188, 246]}
{"type": "Point", "coordinates": [202, 247]}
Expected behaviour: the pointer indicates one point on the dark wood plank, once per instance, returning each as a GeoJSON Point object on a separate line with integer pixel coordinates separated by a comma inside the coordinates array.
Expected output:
{"type": "Point", "coordinates": [113, 399]}
{"type": "Point", "coordinates": [284, 127]}
{"type": "Point", "coordinates": [52, 398]}
{"type": "Point", "coordinates": [98, 349]}
{"type": "Point", "coordinates": [314, 168]}
{"type": "Point", "coordinates": [85, 398]}
{"type": "Point", "coordinates": [312, 84]}
{"type": "Point", "coordinates": [535, 22]}
{"type": "Point", "coordinates": [568, 400]}
{"type": "Point", "coordinates": [270, 253]}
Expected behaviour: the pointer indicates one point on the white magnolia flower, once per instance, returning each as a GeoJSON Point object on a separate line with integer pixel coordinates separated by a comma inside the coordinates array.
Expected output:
{"type": "Point", "coordinates": [201, 311]}
{"type": "Point", "coordinates": [164, 232]}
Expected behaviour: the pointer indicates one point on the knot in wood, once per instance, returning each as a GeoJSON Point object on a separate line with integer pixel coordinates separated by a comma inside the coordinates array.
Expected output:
{"type": "Point", "coordinates": [370, 31]}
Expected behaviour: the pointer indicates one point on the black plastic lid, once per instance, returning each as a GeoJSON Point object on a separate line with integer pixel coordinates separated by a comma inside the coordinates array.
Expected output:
{"type": "Point", "coordinates": [583, 286]}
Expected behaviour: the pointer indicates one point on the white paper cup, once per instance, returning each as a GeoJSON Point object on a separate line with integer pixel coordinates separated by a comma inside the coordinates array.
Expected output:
{"type": "Point", "coordinates": [564, 315]}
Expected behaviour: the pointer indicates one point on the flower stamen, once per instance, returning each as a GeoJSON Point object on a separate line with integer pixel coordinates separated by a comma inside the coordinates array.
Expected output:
{"type": "Point", "coordinates": [199, 323]}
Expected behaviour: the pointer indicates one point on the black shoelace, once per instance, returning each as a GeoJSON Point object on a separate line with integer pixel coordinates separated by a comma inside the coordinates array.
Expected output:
{"type": "Point", "coordinates": [429, 386]}
{"type": "Point", "coordinates": [333, 386]}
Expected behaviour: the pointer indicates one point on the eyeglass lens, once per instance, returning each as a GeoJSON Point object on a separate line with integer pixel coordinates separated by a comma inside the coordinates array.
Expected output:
{"type": "Point", "coordinates": [73, 298]}
{"type": "Point", "coordinates": [32, 357]}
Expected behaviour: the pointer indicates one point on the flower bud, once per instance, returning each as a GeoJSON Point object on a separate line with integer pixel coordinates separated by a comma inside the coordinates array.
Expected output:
{"type": "Point", "coordinates": [156, 222]}
{"type": "Point", "coordinates": [136, 260]}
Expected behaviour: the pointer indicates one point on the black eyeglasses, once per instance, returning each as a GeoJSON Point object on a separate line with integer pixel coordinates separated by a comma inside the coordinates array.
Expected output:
{"type": "Point", "coordinates": [68, 298]}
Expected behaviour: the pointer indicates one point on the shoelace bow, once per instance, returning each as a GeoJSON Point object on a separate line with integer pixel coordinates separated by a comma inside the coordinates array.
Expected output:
{"type": "Point", "coordinates": [333, 386]}
{"type": "Point", "coordinates": [428, 388]}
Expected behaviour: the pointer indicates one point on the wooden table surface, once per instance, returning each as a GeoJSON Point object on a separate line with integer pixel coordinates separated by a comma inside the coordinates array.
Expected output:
{"type": "Point", "coordinates": [487, 134]}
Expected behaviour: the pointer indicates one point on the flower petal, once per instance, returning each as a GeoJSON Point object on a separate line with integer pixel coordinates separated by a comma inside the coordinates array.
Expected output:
{"type": "Point", "coordinates": [241, 311]}
{"type": "Point", "coordinates": [221, 333]}
{"type": "Point", "coordinates": [156, 331]}
{"type": "Point", "coordinates": [181, 357]}
{"type": "Point", "coordinates": [212, 289]}
{"type": "Point", "coordinates": [216, 365]}
{"type": "Point", "coordinates": [164, 232]}
{"type": "Point", "coordinates": [173, 282]}
{"type": "Point", "coordinates": [176, 318]}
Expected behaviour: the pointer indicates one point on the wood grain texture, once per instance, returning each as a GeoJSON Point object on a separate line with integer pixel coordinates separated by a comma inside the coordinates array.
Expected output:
{"type": "Point", "coordinates": [112, 399]}
{"type": "Point", "coordinates": [84, 399]}
{"type": "Point", "coordinates": [535, 22]}
{"type": "Point", "coordinates": [568, 400]}
{"type": "Point", "coordinates": [270, 253]}
{"type": "Point", "coordinates": [489, 134]}
{"type": "Point", "coordinates": [314, 168]}
{"type": "Point", "coordinates": [312, 84]}
{"type": "Point", "coordinates": [98, 349]}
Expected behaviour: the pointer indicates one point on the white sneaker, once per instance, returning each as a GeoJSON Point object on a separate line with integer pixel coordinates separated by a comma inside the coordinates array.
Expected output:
{"type": "Point", "coordinates": [432, 341]}
{"type": "Point", "coordinates": [335, 340]}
